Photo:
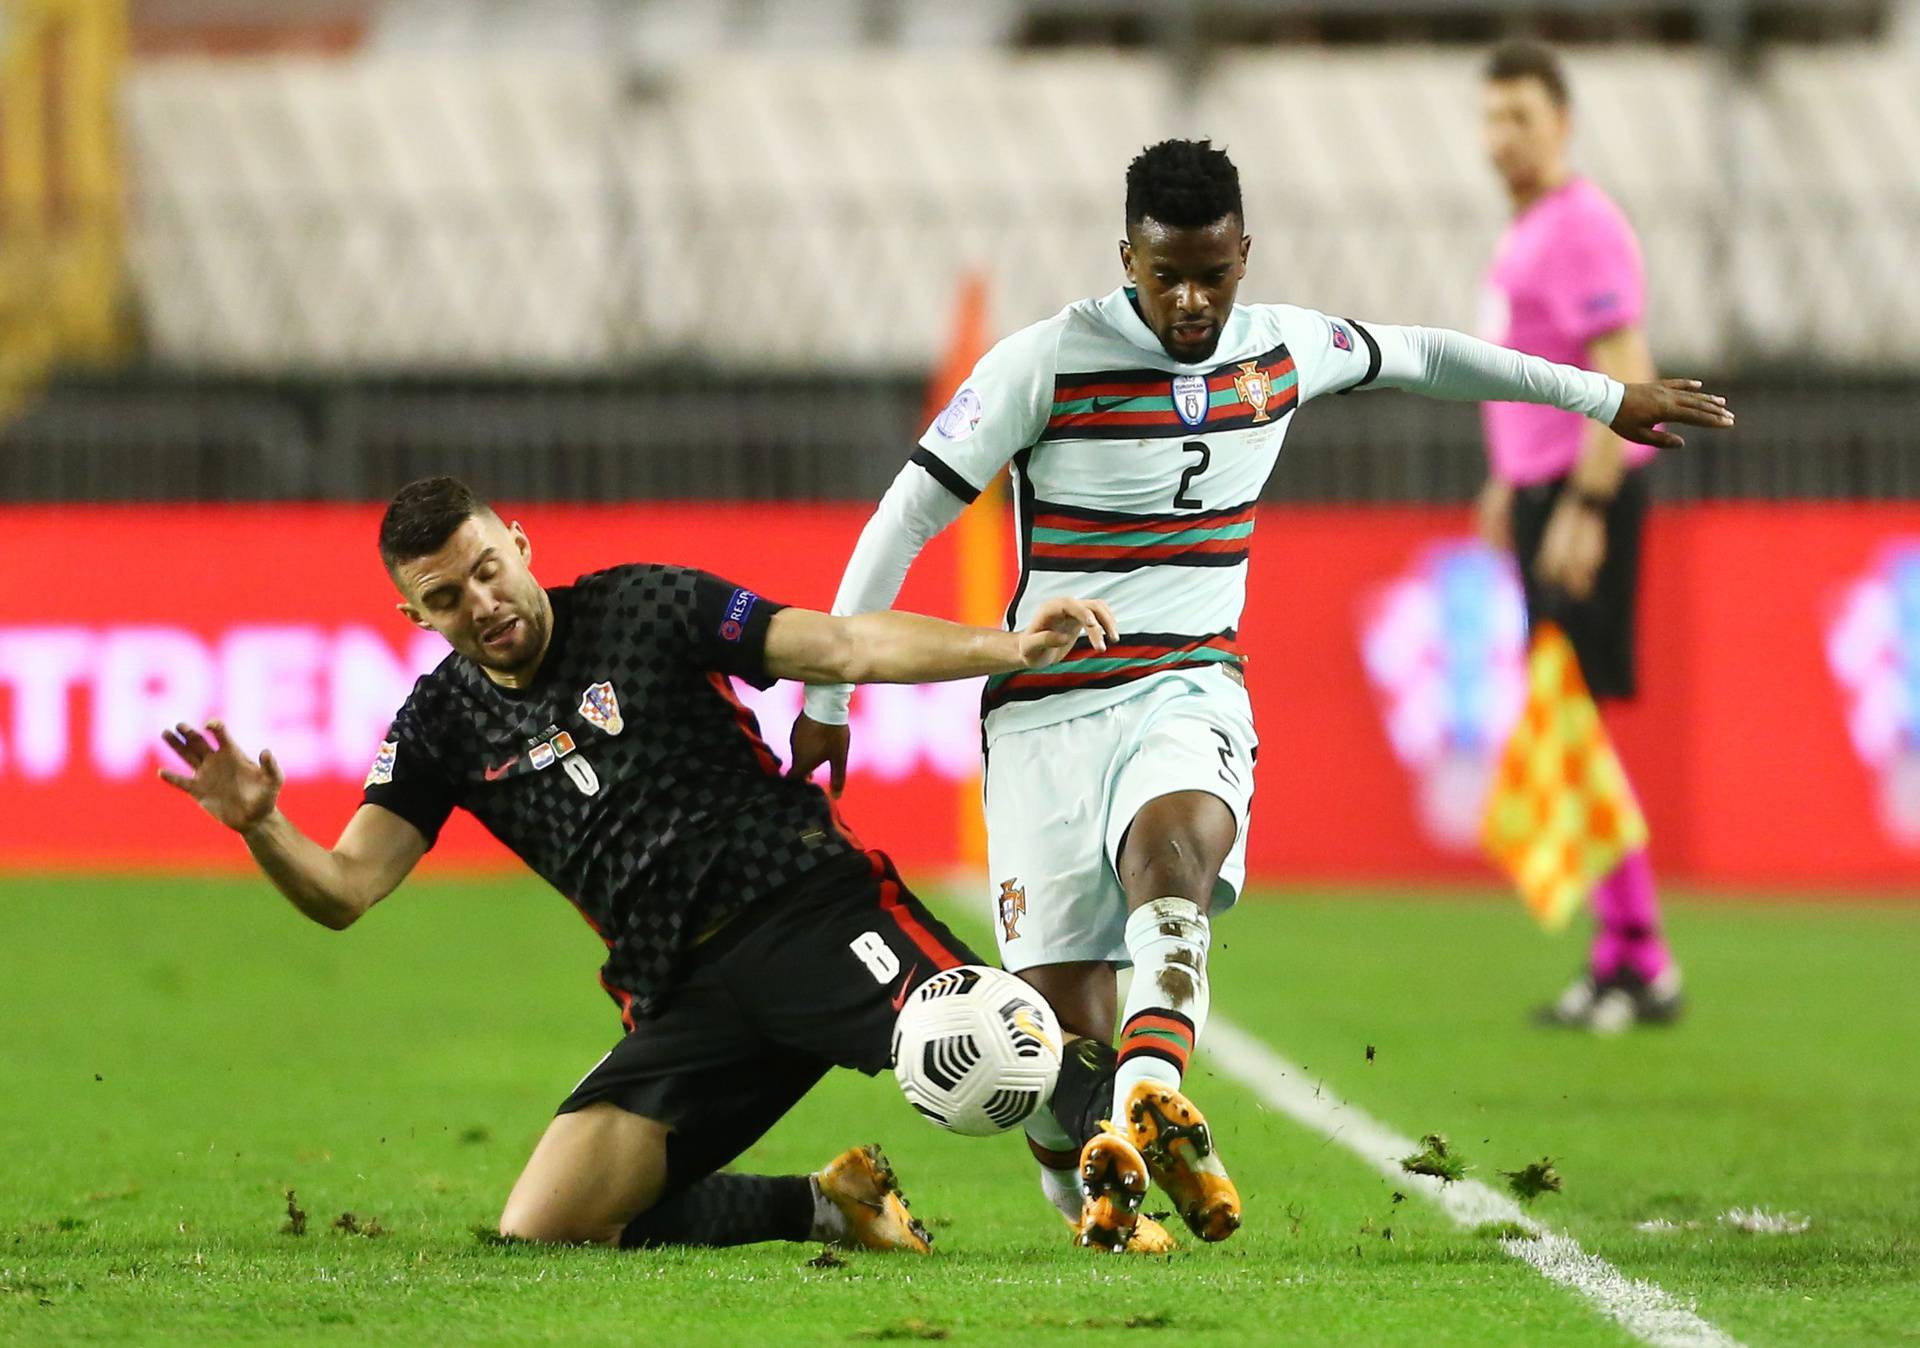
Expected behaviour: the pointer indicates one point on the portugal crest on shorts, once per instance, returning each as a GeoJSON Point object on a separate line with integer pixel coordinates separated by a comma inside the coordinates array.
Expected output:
{"type": "Point", "coordinates": [1255, 387]}
{"type": "Point", "coordinates": [1190, 398]}
{"type": "Point", "coordinates": [1013, 907]}
{"type": "Point", "coordinates": [602, 708]}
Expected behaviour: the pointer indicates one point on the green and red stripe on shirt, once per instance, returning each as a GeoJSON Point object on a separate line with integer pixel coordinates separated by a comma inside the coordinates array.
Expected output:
{"type": "Point", "coordinates": [1074, 538]}
{"type": "Point", "coordinates": [1133, 656]}
{"type": "Point", "coordinates": [1139, 404]}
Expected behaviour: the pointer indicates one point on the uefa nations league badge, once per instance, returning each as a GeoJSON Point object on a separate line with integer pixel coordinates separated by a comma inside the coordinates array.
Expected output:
{"type": "Point", "coordinates": [1190, 398]}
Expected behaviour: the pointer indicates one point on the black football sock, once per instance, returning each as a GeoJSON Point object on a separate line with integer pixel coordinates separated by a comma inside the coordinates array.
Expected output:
{"type": "Point", "coordinates": [1083, 1096]}
{"type": "Point", "coordinates": [727, 1209]}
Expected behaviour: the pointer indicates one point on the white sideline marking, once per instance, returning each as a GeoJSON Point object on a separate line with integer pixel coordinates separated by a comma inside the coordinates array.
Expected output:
{"type": "Point", "coordinates": [1642, 1308]}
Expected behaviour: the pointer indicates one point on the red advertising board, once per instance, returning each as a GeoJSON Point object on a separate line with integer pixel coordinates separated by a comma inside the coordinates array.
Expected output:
{"type": "Point", "coordinates": [115, 622]}
{"type": "Point", "coordinates": [1777, 742]}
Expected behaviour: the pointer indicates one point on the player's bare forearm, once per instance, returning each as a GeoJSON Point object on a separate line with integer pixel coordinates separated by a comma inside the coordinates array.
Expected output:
{"type": "Point", "coordinates": [333, 887]}
{"type": "Point", "coordinates": [894, 647]}
{"type": "Point", "coordinates": [884, 647]}
{"type": "Point", "coordinates": [314, 880]}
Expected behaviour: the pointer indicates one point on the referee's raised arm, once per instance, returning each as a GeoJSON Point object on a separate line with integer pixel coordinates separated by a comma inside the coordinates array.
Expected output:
{"type": "Point", "coordinates": [332, 886]}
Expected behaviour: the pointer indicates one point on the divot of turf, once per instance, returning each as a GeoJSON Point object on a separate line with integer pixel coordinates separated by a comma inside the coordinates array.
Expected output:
{"type": "Point", "coordinates": [914, 1328]}
{"type": "Point", "coordinates": [1532, 1180]}
{"type": "Point", "coordinates": [1435, 1158]}
{"type": "Point", "coordinates": [1504, 1231]}
{"type": "Point", "coordinates": [348, 1224]}
{"type": "Point", "coordinates": [827, 1258]}
{"type": "Point", "coordinates": [1138, 1320]}
{"type": "Point", "coordinates": [296, 1223]}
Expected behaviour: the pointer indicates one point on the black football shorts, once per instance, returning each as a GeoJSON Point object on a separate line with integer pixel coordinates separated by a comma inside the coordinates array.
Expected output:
{"type": "Point", "coordinates": [802, 982]}
{"type": "Point", "coordinates": [1601, 626]}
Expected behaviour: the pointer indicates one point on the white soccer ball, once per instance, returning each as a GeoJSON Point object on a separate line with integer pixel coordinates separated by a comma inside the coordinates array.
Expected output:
{"type": "Point", "coordinates": [976, 1050]}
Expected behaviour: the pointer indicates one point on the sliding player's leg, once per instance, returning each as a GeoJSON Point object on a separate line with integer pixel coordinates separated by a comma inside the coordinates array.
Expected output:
{"type": "Point", "coordinates": [602, 1174]}
{"type": "Point", "coordinates": [634, 1157]}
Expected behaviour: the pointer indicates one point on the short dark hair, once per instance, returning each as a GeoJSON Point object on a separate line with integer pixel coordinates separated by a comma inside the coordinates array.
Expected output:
{"type": "Point", "coordinates": [1183, 183]}
{"type": "Point", "coordinates": [423, 515]}
{"type": "Point", "coordinates": [1524, 60]}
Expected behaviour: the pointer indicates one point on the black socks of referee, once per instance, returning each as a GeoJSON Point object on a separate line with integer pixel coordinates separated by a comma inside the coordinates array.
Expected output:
{"type": "Point", "coordinates": [727, 1209]}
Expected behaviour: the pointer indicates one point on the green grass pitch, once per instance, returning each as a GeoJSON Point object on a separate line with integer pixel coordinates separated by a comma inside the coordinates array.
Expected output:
{"type": "Point", "coordinates": [176, 1055]}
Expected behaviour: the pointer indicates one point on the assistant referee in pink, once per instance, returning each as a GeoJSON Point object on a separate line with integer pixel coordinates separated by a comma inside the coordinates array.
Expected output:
{"type": "Point", "coordinates": [1566, 495]}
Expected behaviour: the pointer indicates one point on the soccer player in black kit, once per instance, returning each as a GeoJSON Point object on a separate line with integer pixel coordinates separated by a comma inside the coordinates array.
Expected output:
{"type": "Point", "coordinates": [752, 941]}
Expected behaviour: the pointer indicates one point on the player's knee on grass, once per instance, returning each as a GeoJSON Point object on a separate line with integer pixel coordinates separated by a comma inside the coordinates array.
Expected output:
{"type": "Point", "coordinates": [592, 1172]}
{"type": "Point", "coordinates": [1175, 847]}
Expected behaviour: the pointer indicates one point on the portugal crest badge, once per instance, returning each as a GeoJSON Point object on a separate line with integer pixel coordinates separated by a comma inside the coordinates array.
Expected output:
{"type": "Point", "coordinates": [1013, 907]}
{"type": "Point", "coordinates": [1190, 398]}
{"type": "Point", "coordinates": [1255, 387]}
{"type": "Point", "coordinates": [602, 708]}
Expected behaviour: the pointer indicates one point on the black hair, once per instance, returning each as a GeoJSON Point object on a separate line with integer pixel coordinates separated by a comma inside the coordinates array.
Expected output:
{"type": "Point", "coordinates": [1524, 60]}
{"type": "Point", "coordinates": [423, 515]}
{"type": "Point", "coordinates": [1183, 183]}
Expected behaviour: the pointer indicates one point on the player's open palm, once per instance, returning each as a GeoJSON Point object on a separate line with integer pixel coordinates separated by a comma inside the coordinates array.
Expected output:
{"type": "Point", "coordinates": [1647, 409]}
{"type": "Point", "coordinates": [1058, 627]}
{"type": "Point", "coordinates": [229, 786]}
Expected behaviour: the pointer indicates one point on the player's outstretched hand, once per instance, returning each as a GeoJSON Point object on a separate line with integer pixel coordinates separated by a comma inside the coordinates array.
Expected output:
{"type": "Point", "coordinates": [1646, 406]}
{"type": "Point", "coordinates": [229, 786]}
{"type": "Point", "coordinates": [816, 742]}
{"type": "Point", "coordinates": [1058, 627]}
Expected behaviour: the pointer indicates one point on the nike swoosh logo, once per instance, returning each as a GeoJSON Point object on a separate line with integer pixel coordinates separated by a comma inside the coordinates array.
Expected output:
{"type": "Point", "coordinates": [900, 997]}
{"type": "Point", "coordinates": [1108, 404]}
{"type": "Point", "coordinates": [495, 774]}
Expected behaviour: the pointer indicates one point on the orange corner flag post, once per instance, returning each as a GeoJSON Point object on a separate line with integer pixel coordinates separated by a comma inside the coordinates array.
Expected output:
{"type": "Point", "coordinates": [978, 534]}
{"type": "Point", "coordinates": [1560, 816]}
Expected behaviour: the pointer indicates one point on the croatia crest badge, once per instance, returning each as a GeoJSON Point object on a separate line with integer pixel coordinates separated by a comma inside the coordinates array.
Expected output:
{"type": "Point", "coordinates": [1190, 398]}
{"type": "Point", "coordinates": [602, 708]}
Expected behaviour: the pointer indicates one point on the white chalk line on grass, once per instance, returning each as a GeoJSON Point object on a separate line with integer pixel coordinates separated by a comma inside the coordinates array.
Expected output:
{"type": "Point", "coordinates": [1642, 1308]}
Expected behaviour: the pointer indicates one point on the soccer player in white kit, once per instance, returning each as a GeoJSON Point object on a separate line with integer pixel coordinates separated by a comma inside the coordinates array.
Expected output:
{"type": "Point", "coordinates": [1141, 428]}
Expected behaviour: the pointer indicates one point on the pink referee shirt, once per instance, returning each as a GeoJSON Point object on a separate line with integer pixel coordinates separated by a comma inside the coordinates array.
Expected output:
{"type": "Point", "coordinates": [1567, 271]}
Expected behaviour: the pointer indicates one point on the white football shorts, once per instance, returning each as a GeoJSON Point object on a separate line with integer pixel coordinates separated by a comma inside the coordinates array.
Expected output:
{"type": "Point", "coordinates": [1060, 797]}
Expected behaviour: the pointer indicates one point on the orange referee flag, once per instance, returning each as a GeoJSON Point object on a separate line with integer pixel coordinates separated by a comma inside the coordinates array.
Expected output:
{"type": "Point", "coordinates": [1560, 815]}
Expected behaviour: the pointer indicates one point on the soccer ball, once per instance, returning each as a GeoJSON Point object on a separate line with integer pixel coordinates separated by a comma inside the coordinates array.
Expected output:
{"type": "Point", "coordinates": [976, 1050]}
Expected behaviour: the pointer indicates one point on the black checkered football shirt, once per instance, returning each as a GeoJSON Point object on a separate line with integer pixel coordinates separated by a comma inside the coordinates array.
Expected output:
{"type": "Point", "coordinates": [628, 775]}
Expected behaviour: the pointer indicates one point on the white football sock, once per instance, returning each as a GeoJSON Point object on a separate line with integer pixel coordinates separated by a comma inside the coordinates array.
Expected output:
{"type": "Point", "coordinates": [829, 1223]}
{"type": "Point", "coordinates": [1167, 1005]}
{"type": "Point", "coordinates": [1061, 1186]}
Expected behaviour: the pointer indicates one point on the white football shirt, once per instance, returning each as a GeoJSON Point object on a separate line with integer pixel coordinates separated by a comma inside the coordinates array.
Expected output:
{"type": "Point", "coordinates": [1136, 480]}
